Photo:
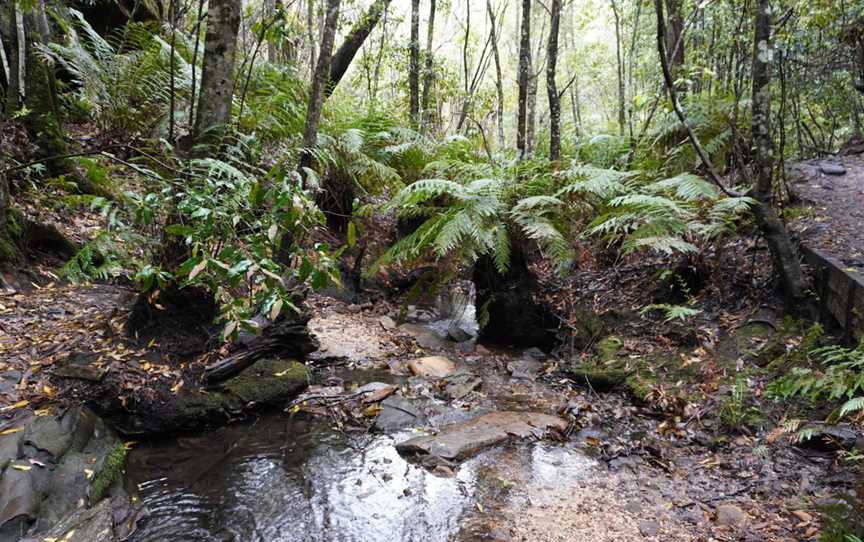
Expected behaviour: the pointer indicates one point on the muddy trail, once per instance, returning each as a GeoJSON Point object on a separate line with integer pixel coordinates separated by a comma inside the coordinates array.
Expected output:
{"type": "Point", "coordinates": [614, 469]}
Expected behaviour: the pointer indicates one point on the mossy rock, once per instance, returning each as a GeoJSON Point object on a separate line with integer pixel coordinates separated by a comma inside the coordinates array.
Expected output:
{"type": "Point", "coordinates": [639, 386]}
{"type": "Point", "coordinates": [268, 381]}
{"type": "Point", "coordinates": [609, 347]}
{"type": "Point", "coordinates": [599, 379]}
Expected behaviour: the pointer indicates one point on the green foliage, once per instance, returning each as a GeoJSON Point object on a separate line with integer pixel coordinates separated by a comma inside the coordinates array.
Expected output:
{"type": "Point", "coordinates": [833, 373]}
{"type": "Point", "coordinates": [124, 81]}
{"type": "Point", "coordinates": [672, 312]}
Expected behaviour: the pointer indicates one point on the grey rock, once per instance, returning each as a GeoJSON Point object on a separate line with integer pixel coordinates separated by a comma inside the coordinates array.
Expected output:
{"type": "Point", "coordinates": [830, 168]}
{"type": "Point", "coordinates": [457, 334]}
{"type": "Point", "coordinates": [458, 386]}
{"type": "Point", "coordinates": [387, 323]}
{"type": "Point", "coordinates": [8, 380]}
{"type": "Point", "coordinates": [462, 440]}
{"type": "Point", "coordinates": [649, 527]}
{"type": "Point", "coordinates": [398, 413]}
{"type": "Point", "coordinates": [730, 515]}
{"type": "Point", "coordinates": [534, 353]}
{"type": "Point", "coordinates": [527, 368]}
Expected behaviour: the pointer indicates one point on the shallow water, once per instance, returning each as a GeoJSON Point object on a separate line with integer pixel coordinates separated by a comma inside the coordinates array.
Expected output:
{"type": "Point", "coordinates": [281, 479]}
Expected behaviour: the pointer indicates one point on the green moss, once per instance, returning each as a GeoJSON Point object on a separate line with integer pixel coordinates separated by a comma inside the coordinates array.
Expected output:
{"type": "Point", "coordinates": [268, 381]}
{"type": "Point", "coordinates": [14, 221]}
{"type": "Point", "coordinates": [599, 378]}
{"type": "Point", "coordinates": [639, 386]}
{"type": "Point", "coordinates": [608, 348]}
{"type": "Point", "coordinates": [112, 467]}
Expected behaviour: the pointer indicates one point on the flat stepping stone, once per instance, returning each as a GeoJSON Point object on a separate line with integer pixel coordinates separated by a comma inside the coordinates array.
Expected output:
{"type": "Point", "coordinates": [460, 441]}
{"type": "Point", "coordinates": [829, 168]}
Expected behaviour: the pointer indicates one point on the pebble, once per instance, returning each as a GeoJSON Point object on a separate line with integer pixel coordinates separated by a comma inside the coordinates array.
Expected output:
{"type": "Point", "coordinates": [730, 515]}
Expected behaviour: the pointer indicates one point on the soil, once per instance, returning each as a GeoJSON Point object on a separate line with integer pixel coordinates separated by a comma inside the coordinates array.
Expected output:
{"type": "Point", "coordinates": [832, 218]}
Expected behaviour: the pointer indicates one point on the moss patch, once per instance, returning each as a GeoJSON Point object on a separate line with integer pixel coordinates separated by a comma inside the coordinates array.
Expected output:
{"type": "Point", "coordinates": [112, 468]}
{"type": "Point", "coordinates": [268, 381]}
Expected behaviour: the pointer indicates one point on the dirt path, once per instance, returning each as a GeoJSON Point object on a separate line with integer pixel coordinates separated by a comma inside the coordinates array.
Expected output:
{"type": "Point", "coordinates": [833, 218]}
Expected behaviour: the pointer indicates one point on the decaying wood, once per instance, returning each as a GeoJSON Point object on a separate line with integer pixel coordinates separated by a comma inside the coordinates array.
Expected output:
{"type": "Point", "coordinates": [283, 338]}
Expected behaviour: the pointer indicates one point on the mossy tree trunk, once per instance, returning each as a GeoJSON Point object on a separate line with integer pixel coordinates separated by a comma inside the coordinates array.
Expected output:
{"type": "Point", "coordinates": [217, 75]}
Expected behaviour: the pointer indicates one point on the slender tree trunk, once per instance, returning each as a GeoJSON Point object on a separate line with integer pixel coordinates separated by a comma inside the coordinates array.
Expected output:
{"type": "Point", "coordinates": [414, 66]}
{"type": "Point", "coordinates": [576, 106]}
{"type": "Point", "coordinates": [524, 72]}
{"type": "Point", "coordinates": [429, 68]}
{"type": "Point", "coordinates": [319, 82]}
{"type": "Point", "coordinates": [13, 82]}
{"type": "Point", "coordinates": [217, 72]}
{"type": "Point", "coordinates": [310, 35]}
{"type": "Point", "coordinates": [551, 88]}
{"type": "Point", "coordinates": [785, 257]}
{"type": "Point", "coordinates": [620, 60]}
{"type": "Point", "coordinates": [499, 84]}
{"type": "Point", "coordinates": [531, 120]}
{"type": "Point", "coordinates": [376, 73]}
{"type": "Point", "coordinates": [270, 14]}
{"type": "Point", "coordinates": [675, 36]}
{"type": "Point", "coordinates": [343, 56]}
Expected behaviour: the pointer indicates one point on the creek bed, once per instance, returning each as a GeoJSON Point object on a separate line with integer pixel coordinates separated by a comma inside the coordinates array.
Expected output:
{"type": "Point", "coordinates": [291, 478]}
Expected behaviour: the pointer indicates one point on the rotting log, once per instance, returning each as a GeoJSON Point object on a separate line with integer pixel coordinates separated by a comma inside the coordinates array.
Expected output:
{"type": "Point", "coordinates": [283, 338]}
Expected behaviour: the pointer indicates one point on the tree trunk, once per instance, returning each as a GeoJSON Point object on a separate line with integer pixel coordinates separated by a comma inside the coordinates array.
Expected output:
{"type": "Point", "coordinates": [9, 251]}
{"type": "Point", "coordinates": [499, 84]}
{"type": "Point", "coordinates": [414, 66]}
{"type": "Point", "coordinates": [217, 72]}
{"type": "Point", "coordinates": [675, 36]}
{"type": "Point", "coordinates": [524, 69]}
{"type": "Point", "coordinates": [270, 14]}
{"type": "Point", "coordinates": [620, 61]}
{"type": "Point", "coordinates": [785, 257]}
{"type": "Point", "coordinates": [429, 68]}
{"type": "Point", "coordinates": [319, 82]}
{"type": "Point", "coordinates": [551, 88]}
{"type": "Point", "coordinates": [531, 119]}
{"type": "Point", "coordinates": [40, 97]}
{"type": "Point", "coordinates": [353, 41]}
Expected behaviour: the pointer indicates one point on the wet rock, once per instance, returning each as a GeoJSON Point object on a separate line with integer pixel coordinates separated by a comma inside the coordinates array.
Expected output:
{"type": "Point", "coordinates": [830, 168]}
{"type": "Point", "coordinates": [432, 367]}
{"type": "Point", "coordinates": [458, 386]}
{"type": "Point", "coordinates": [398, 413]}
{"type": "Point", "coordinates": [830, 438]}
{"type": "Point", "coordinates": [730, 515]}
{"type": "Point", "coordinates": [457, 334]}
{"type": "Point", "coordinates": [425, 337]}
{"type": "Point", "coordinates": [374, 392]}
{"type": "Point", "coordinates": [59, 467]}
{"type": "Point", "coordinates": [387, 323]}
{"type": "Point", "coordinates": [462, 440]}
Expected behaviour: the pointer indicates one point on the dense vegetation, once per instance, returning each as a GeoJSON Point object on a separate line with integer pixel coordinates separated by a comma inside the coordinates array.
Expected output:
{"type": "Point", "coordinates": [250, 151]}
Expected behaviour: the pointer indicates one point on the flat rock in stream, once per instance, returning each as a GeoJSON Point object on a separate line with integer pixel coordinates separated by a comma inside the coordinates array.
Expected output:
{"type": "Point", "coordinates": [398, 413]}
{"type": "Point", "coordinates": [432, 367]}
{"type": "Point", "coordinates": [460, 441]}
